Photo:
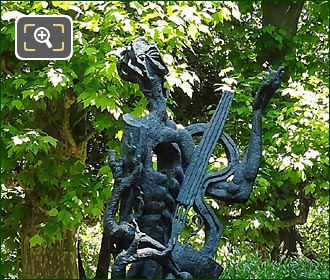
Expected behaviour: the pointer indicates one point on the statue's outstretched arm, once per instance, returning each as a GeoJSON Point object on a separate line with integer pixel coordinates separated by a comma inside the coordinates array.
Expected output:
{"type": "Point", "coordinates": [238, 190]}
{"type": "Point", "coordinates": [123, 229]}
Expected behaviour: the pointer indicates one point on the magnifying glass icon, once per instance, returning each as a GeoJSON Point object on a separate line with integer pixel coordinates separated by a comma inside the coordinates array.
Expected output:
{"type": "Point", "coordinates": [41, 35]}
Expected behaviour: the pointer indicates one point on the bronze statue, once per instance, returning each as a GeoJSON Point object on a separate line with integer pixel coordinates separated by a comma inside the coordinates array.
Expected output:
{"type": "Point", "coordinates": [148, 208]}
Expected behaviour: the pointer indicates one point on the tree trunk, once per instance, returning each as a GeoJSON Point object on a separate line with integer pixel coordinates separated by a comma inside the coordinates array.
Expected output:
{"type": "Point", "coordinates": [284, 15]}
{"type": "Point", "coordinates": [289, 236]}
{"type": "Point", "coordinates": [103, 264]}
{"type": "Point", "coordinates": [290, 244]}
{"type": "Point", "coordinates": [58, 260]}
{"type": "Point", "coordinates": [81, 270]}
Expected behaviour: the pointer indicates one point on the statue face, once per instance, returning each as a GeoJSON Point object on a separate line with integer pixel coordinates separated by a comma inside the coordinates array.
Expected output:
{"type": "Point", "coordinates": [142, 63]}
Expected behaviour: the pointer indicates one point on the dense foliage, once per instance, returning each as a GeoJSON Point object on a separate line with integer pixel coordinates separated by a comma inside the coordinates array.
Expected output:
{"type": "Point", "coordinates": [59, 119]}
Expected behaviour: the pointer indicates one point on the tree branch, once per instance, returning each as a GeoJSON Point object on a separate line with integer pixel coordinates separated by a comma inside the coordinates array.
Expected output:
{"type": "Point", "coordinates": [4, 66]}
{"type": "Point", "coordinates": [88, 136]}
{"type": "Point", "coordinates": [304, 204]}
{"type": "Point", "coordinates": [301, 219]}
{"type": "Point", "coordinates": [83, 114]}
{"type": "Point", "coordinates": [66, 129]}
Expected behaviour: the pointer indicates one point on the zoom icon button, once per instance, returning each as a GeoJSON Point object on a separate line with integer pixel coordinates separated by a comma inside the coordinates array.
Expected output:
{"type": "Point", "coordinates": [39, 35]}
{"type": "Point", "coordinates": [43, 37]}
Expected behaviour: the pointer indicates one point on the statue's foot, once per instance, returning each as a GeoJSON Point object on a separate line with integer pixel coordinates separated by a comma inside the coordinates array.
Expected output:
{"type": "Point", "coordinates": [168, 249]}
{"type": "Point", "coordinates": [185, 275]}
{"type": "Point", "coordinates": [181, 275]}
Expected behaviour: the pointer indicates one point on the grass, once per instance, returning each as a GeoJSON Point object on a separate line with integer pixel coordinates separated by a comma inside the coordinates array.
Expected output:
{"type": "Point", "coordinates": [300, 268]}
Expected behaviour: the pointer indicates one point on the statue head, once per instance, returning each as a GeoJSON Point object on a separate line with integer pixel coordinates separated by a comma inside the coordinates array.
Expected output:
{"type": "Point", "coordinates": [142, 63]}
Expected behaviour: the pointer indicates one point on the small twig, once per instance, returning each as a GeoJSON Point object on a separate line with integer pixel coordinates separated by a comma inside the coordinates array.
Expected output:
{"type": "Point", "coordinates": [77, 121]}
{"type": "Point", "coordinates": [88, 136]}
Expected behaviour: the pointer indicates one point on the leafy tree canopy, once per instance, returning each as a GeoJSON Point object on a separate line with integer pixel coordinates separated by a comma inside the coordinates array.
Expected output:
{"type": "Point", "coordinates": [60, 118]}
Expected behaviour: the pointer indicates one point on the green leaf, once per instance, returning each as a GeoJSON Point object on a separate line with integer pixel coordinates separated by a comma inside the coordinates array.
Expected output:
{"type": "Point", "coordinates": [36, 240]}
{"type": "Point", "coordinates": [64, 216]}
{"type": "Point", "coordinates": [101, 122]}
{"type": "Point", "coordinates": [19, 82]}
{"type": "Point", "coordinates": [53, 212]}
{"type": "Point", "coordinates": [90, 50]}
{"type": "Point", "coordinates": [186, 87]}
{"type": "Point", "coordinates": [310, 188]}
{"type": "Point", "coordinates": [269, 29]}
{"type": "Point", "coordinates": [50, 140]}
{"type": "Point", "coordinates": [17, 103]}
{"type": "Point", "coordinates": [27, 93]}
{"type": "Point", "coordinates": [104, 170]}
{"type": "Point", "coordinates": [96, 211]}
{"type": "Point", "coordinates": [225, 13]}
{"type": "Point", "coordinates": [90, 70]}
{"type": "Point", "coordinates": [218, 17]}
{"type": "Point", "coordinates": [193, 31]}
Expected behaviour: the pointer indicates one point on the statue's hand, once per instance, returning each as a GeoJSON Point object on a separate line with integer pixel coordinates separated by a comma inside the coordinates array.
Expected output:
{"type": "Point", "coordinates": [123, 231]}
{"type": "Point", "coordinates": [267, 89]}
